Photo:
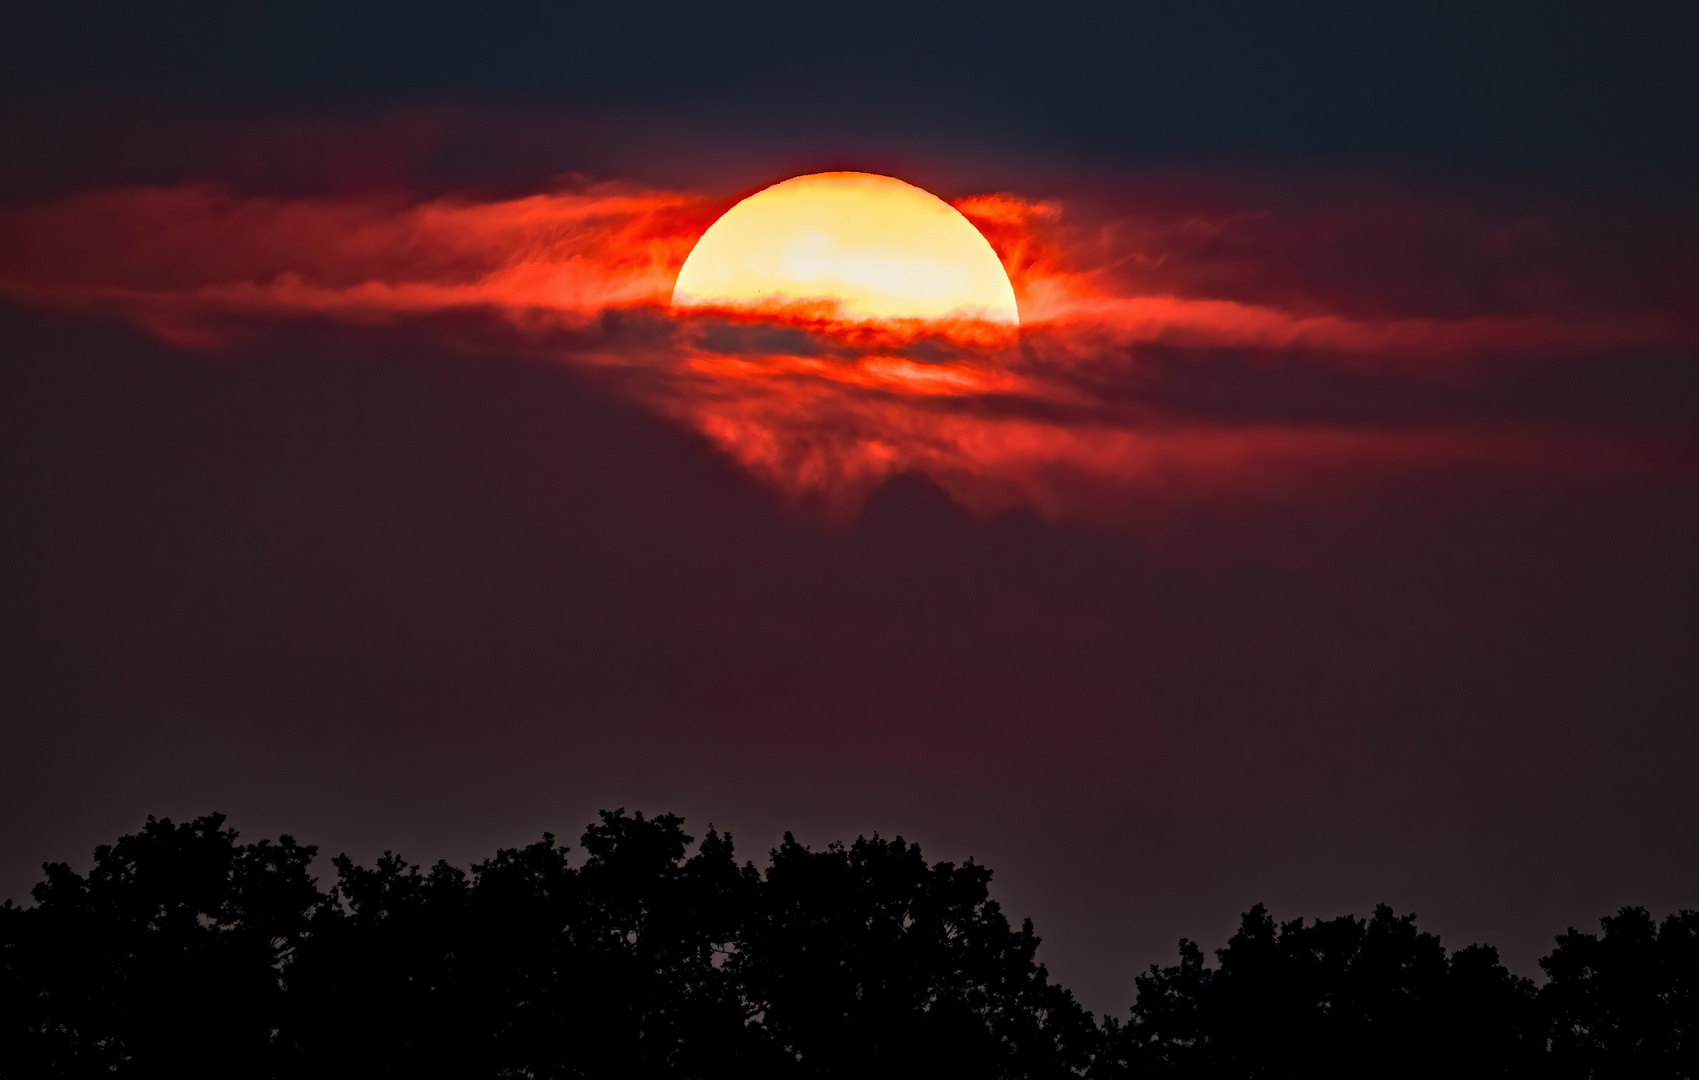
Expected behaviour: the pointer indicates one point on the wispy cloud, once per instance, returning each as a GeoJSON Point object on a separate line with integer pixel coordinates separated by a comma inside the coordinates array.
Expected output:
{"type": "Point", "coordinates": [1163, 345]}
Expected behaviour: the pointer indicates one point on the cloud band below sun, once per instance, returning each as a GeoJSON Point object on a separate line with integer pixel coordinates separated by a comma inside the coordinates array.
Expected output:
{"type": "Point", "coordinates": [1160, 348]}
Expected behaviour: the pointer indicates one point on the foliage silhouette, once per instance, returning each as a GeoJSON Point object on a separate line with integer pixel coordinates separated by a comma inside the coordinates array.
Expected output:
{"type": "Point", "coordinates": [185, 953]}
{"type": "Point", "coordinates": [1327, 999]}
{"type": "Point", "coordinates": [1626, 1004]}
{"type": "Point", "coordinates": [865, 961]}
{"type": "Point", "coordinates": [170, 950]}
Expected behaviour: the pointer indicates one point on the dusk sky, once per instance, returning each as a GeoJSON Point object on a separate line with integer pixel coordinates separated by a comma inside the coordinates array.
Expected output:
{"type": "Point", "coordinates": [1325, 536]}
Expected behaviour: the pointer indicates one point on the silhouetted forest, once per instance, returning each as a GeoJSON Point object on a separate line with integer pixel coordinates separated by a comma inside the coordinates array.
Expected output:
{"type": "Point", "coordinates": [185, 953]}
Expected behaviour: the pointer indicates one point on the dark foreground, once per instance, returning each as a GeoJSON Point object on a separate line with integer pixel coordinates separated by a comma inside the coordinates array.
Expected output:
{"type": "Point", "coordinates": [186, 954]}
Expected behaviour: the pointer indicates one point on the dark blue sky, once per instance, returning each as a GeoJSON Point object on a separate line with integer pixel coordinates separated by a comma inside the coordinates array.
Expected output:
{"type": "Point", "coordinates": [1577, 86]}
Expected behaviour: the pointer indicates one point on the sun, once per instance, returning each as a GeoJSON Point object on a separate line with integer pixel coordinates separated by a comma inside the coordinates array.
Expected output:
{"type": "Point", "coordinates": [870, 247]}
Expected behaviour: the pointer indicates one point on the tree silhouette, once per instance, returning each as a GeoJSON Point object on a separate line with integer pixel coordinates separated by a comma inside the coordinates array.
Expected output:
{"type": "Point", "coordinates": [170, 950]}
{"type": "Point", "coordinates": [1626, 1004]}
{"type": "Point", "coordinates": [529, 967]}
{"type": "Point", "coordinates": [865, 961]}
{"type": "Point", "coordinates": [183, 953]}
{"type": "Point", "coordinates": [1339, 997]}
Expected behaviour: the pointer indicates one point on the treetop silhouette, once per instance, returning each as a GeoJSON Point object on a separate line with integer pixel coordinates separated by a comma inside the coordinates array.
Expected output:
{"type": "Point", "coordinates": [183, 952]}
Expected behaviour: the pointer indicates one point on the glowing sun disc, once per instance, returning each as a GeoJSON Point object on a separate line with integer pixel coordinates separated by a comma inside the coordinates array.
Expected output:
{"type": "Point", "coordinates": [870, 246]}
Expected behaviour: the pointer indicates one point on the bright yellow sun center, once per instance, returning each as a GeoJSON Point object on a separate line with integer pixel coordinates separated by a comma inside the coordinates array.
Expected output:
{"type": "Point", "coordinates": [871, 247]}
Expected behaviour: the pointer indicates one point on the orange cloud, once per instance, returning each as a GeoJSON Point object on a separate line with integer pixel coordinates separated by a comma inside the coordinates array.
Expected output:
{"type": "Point", "coordinates": [181, 260]}
{"type": "Point", "coordinates": [1105, 390]}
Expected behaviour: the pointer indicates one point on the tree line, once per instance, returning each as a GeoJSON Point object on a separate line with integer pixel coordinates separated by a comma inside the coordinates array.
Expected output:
{"type": "Point", "coordinates": [186, 953]}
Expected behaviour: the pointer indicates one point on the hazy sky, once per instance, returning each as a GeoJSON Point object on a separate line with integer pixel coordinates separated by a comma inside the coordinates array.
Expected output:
{"type": "Point", "coordinates": [1333, 545]}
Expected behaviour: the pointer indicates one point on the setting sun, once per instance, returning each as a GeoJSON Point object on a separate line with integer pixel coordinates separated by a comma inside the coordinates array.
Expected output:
{"type": "Point", "coordinates": [871, 247]}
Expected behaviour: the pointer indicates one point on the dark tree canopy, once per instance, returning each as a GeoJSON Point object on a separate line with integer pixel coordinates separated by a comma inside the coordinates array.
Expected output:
{"type": "Point", "coordinates": [185, 953]}
{"type": "Point", "coordinates": [169, 950]}
{"type": "Point", "coordinates": [1626, 1004]}
{"type": "Point", "coordinates": [865, 961]}
{"type": "Point", "coordinates": [1323, 999]}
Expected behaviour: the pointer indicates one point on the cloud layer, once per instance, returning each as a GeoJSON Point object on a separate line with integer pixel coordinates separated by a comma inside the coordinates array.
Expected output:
{"type": "Point", "coordinates": [1175, 338]}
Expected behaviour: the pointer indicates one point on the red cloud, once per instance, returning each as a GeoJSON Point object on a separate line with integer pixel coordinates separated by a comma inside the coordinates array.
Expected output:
{"type": "Point", "coordinates": [1165, 346]}
{"type": "Point", "coordinates": [181, 261]}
